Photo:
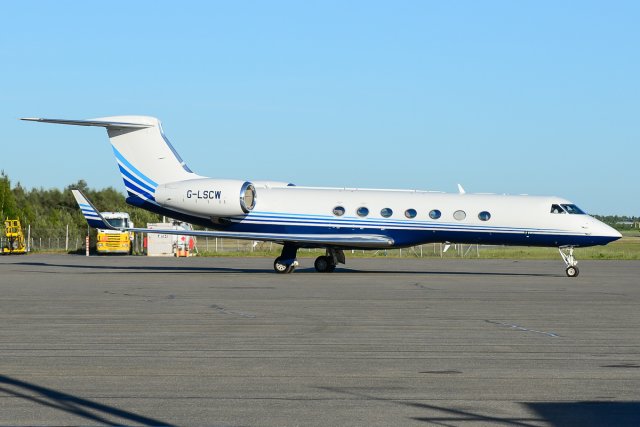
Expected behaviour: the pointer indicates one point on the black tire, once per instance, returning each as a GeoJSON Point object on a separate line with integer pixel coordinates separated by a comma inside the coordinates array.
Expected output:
{"type": "Point", "coordinates": [322, 264]}
{"type": "Point", "coordinates": [572, 271]}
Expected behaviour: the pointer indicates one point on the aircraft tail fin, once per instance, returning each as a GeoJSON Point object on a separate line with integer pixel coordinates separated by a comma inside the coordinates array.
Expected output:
{"type": "Point", "coordinates": [91, 214]}
{"type": "Point", "coordinates": [144, 155]}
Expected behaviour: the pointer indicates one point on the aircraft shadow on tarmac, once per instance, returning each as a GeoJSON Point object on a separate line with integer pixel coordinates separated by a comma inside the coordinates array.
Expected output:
{"type": "Point", "coordinates": [555, 414]}
{"type": "Point", "coordinates": [141, 269]}
{"type": "Point", "coordinates": [83, 408]}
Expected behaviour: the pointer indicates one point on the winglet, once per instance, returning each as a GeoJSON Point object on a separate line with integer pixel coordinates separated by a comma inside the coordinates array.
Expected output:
{"type": "Point", "coordinates": [460, 189]}
{"type": "Point", "coordinates": [91, 214]}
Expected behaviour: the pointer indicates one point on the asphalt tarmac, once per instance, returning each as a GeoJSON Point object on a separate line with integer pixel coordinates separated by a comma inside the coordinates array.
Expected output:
{"type": "Point", "coordinates": [380, 342]}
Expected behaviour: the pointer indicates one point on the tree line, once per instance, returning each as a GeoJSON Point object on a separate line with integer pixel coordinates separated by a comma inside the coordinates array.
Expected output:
{"type": "Point", "coordinates": [55, 209]}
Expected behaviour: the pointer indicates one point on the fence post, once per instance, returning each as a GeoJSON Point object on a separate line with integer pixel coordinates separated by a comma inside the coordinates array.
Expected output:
{"type": "Point", "coordinates": [66, 240]}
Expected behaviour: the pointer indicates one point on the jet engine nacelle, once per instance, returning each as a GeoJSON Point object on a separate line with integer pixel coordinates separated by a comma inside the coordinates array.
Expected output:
{"type": "Point", "coordinates": [206, 196]}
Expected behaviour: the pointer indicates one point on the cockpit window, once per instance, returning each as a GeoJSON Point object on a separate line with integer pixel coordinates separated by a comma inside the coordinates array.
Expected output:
{"type": "Point", "coordinates": [573, 209]}
{"type": "Point", "coordinates": [556, 209]}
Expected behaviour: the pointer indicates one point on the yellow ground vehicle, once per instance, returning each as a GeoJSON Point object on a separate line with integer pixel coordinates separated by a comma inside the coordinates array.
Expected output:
{"type": "Point", "coordinates": [113, 241]}
{"type": "Point", "coordinates": [14, 243]}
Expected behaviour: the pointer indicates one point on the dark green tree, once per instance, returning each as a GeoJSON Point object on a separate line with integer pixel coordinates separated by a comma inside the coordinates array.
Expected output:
{"type": "Point", "coordinates": [8, 206]}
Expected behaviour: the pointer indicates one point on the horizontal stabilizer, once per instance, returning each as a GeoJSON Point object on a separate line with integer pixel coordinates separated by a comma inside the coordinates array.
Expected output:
{"type": "Point", "coordinates": [99, 123]}
{"type": "Point", "coordinates": [144, 155]}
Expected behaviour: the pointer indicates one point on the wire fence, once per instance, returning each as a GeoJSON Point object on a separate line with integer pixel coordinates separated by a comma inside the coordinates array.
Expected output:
{"type": "Point", "coordinates": [44, 240]}
{"type": "Point", "coordinates": [217, 245]}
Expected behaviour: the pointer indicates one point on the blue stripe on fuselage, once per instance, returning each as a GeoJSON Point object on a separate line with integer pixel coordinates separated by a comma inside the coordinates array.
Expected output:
{"type": "Point", "coordinates": [401, 237]}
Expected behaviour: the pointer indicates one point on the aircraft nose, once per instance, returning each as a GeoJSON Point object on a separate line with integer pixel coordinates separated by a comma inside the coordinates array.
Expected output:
{"type": "Point", "coordinates": [603, 230]}
{"type": "Point", "coordinates": [614, 233]}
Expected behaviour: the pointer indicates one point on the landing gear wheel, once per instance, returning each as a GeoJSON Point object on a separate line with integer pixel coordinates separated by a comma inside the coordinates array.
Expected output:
{"type": "Point", "coordinates": [567, 256]}
{"type": "Point", "coordinates": [572, 271]}
{"type": "Point", "coordinates": [282, 268]}
{"type": "Point", "coordinates": [323, 264]}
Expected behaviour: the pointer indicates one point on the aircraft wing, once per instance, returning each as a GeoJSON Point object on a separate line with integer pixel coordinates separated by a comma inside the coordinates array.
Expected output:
{"type": "Point", "coordinates": [96, 220]}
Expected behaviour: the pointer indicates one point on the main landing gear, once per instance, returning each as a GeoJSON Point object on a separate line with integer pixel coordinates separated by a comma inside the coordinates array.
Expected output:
{"type": "Point", "coordinates": [287, 262]}
{"type": "Point", "coordinates": [328, 262]}
{"type": "Point", "coordinates": [570, 261]}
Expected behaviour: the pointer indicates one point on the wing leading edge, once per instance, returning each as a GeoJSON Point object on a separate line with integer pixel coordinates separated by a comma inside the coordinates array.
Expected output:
{"type": "Point", "coordinates": [96, 220]}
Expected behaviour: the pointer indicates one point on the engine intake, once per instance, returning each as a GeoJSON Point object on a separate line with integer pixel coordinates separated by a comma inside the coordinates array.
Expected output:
{"type": "Point", "coordinates": [206, 196]}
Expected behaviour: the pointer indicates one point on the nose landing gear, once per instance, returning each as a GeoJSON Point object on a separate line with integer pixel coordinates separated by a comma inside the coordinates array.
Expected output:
{"type": "Point", "coordinates": [572, 264]}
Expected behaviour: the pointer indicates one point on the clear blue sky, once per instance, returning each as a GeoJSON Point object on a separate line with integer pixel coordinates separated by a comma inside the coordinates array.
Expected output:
{"type": "Point", "coordinates": [537, 97]}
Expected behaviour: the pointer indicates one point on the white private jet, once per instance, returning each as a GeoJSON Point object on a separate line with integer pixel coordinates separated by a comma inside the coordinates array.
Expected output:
{"type": "Point", "coordinates": [158, 180]}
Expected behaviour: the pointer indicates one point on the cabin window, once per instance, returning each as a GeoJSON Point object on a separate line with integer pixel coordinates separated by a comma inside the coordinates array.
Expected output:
{"type": "Point", "coordinates": [556, 209]}
{"type": "Point", "coordinates": [573, 209]}
{"type": "Point", "coordinates": [484, 216]}
{"type": "Point", "coordinates": [338, 211]}
{"type": "Point", "coordinates": [410, 213]}
{"type": "Point", "coordinates": [459, 215]}
{"type": "Point", "coordinates": [362, 211]}
{"type": "Point", "coordinates": [435, 214]}
{"type": "Point", "coordinates": [386, 212]}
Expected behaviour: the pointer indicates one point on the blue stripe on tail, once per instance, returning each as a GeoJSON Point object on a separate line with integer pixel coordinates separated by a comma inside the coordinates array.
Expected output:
{"type": "Point", "coordinates": [135, 181]}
